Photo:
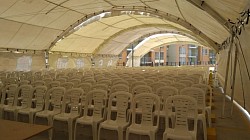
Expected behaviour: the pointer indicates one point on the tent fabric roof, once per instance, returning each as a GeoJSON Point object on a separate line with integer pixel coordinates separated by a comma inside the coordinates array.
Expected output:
{"type": "Point", "coordinates": [35, 24]}
{"type": "Point", "coordinates": [159, 40]}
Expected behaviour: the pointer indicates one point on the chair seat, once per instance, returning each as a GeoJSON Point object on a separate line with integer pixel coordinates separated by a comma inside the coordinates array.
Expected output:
{"type": "Point", "coordinates": [88, 120]}
{"type": "Point", "coordinates": [29, 110]}
{"type": "Point", "coordinates": [178, 134]}
{"type": "Point", "coordinates": [13, 108]}
{"type": "Point", "coordinates": [142, 129]}
{"type": "Point", "coordinates": [47, 113]}
{"type": "Point", "coordinates": [114, 125]}
{"type": "Point", "coordinates": [65, 116]}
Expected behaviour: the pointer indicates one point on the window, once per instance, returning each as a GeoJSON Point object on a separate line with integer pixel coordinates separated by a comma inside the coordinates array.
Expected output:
{"type": "Point", "coordinates": [182, 59]}
{"type": "Point", "coordinates": [204, 51]}
{"type": "Point", "coordinates": [182, 50]}
{"type": "Point", "coordinates": [24, 63]}
{"type": "Point", "coordinates": [79, 63]}
{"type": "Point", "coordinates": [159, 55]}
{"type": "Point", "coordinates": [62, 63]}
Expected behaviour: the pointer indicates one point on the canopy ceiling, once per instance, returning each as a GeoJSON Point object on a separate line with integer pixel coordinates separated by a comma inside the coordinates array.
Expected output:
{"type": "Point", "coordinates": [38, 24]}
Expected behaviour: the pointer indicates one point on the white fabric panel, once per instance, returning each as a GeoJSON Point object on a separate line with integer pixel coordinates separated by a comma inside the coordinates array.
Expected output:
{"type": "Point", "coordinates": [79, 44]}
{"type": "Point", "coordinates": [229, 9]}
{"type": "Point", "coordinates": [24, 36]}
{"type": "Point", "coordinates": [168, 6]}
{"type": "Point", "coordinates": [203, 21]}
{"type": "Point", "coordinates": [97, 30]}
{"type": "Point", "coordinates": [87, 6]}
{"type": "Point", "coordinates": [127, 2]}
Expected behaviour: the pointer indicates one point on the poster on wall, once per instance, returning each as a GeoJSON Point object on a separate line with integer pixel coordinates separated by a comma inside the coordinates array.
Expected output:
{"type": "Point", "coordinates": [79, 63]}
{"type": "Point", "coordinates": [24, 63]}
{"type": "Point", "coordinates": [62, 63]}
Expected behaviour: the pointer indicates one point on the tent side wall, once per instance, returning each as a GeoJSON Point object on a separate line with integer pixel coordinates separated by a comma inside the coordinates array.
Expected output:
{"type": "Point", "coordinates": [14, 61]}
{"type": "Point", "coordinates": [242, 81]}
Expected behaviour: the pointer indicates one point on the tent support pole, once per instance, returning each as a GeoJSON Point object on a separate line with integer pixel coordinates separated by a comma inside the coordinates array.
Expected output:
{"type": "Point", "coordinates": [234, 75]}
{"type": "Point", "coordinates": [132, 55]}
{"type": "Point", "coordinates": [226, 77]}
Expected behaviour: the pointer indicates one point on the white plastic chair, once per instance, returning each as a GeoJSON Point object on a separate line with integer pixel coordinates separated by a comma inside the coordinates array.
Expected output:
{"type": "Point", "coordinates": [119, 87]}
{"type": "Point", "coordinates": [134, 84]}
{"type": "Point", "coordinates": [73, 95]}
{"type": "Point", "coordinates": [100, 86]}
{"type": "Point", "coordinates": [38, 83]}
{"type": "Point", "coordinates": [9, 95]}
{"type": "Point", "coordinates": [188, 83]}
{"type": "Point", "coordinates": [53, 98]}
{"type": "Point", "coordinates": [200, 97]}
{"type": "Point", "coordinates": [155, 86]}
{"type": "Point", "coordinates": [26, 95]}
{"type": "Point", "coordinates": [183, 107]}
{"type": "Point", "coordinates": [179, 86]}
{"type": "Point", "coordinates": [98, 98]}
{"type": "Point", "coordinates": [39, 93]}
{"type": "Point", "coordinates": [141, 89]}
{"type": "Point", "coordinates": [148, 103]}
{"type": "Point", "coordinates": [121, 121]}
{"type": "Point", "coordinates": [67, 85]}
{"type": "Point", "coordinates": [75, 81]}
{"type": "Point", "coordinates": [209, 107]}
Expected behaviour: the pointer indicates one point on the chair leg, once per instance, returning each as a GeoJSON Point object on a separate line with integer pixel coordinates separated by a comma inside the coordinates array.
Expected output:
{"type": "Point", "coordinates": [99, 132]}
{"type": "Point", "coordinates": [75, 131]}
{"type": "Point", "coordinates": [94, 131]}
{"type": "Point", "coordinates": [120, 133]}
{"type": "Point", "coordinates": [70, 123]}
{"type": "Point", "coordinates": [127, 134]}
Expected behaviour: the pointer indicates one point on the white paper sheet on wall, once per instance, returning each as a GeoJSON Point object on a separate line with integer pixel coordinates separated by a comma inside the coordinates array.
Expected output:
{"type": "Point", "coordinates": [62, 63]}
{"type": "Point", "coordinates": [79, 63]}
{"type": "Point", "coordinates": [24, 63]}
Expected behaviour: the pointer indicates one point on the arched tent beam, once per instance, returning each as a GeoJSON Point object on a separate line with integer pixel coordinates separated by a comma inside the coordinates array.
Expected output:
{"type": "Point", "coordinates": [167, 29]}
{"type": "Point", "coordinates": [121, 10]}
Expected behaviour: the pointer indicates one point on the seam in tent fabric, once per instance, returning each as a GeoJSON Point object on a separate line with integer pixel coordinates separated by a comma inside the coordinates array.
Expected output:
{"type": "Point", "coordinates": [242, 85]}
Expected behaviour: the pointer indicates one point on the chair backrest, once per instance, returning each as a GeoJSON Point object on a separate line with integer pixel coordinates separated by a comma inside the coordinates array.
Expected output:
{"type": "Point", "coordinates": [53, 84]}
{"type": "Point", "coordinates": [10, 94]}
{"type": "Point", "coordinates": [166, 91]}
{"type": "Point", "coordinates": [72, 97]}
{"type": "Point", "coordinates": [26, 95]}
{"type": "Point", "coordinates": [122, 104]}
{"type": "Point", "coordinates": [121, 82]}
{"type": "Point", "coordinates": [67, 85]}
{"type": "Point", "coordinates": [97, 98]}
{"type": "Point", "coordinates": [100, 86]}
{"type": "Point", "coordinates": [179, 86]}
{"type": "Point", "coordinates": [157, 85]}
{"type": "Point", "coordinates": [141, 89]}
{"type": "Point", "coordinates": [136, 83]}
{"type": "Point", "coordinates": [38, 83]}
{"type": "Point", "coordinates": [119, 87]}
{"type": "Point", "coordinates": [148, 103]}
{"type": "Point", "coordinates": [205, 88]}
{"type": "Point", "coordinates": [61, 80]}
{"type": "Point", "coordinates": [24, 82]}
{"type": "Point", "coordinates": [182, 106]}
{"type": "Point", "coordinates": [40, 94]}
{"type": "Point", "coordinates": [148, 81]}
{"type": "Point", "coordinates": [166, 81]}
{"type": "Point", "coordinates": [47, 80]}
{"type": "Point", "coordinates": [198, 94]}
{"type": "Point", "coordinates": [188, 83]}
{"type": "Point", "coordinates": [85, 86]}
{"type": "Point", "coordinates": [54, 97]}
{"type": "Point", "coordinates": [75, 81]}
